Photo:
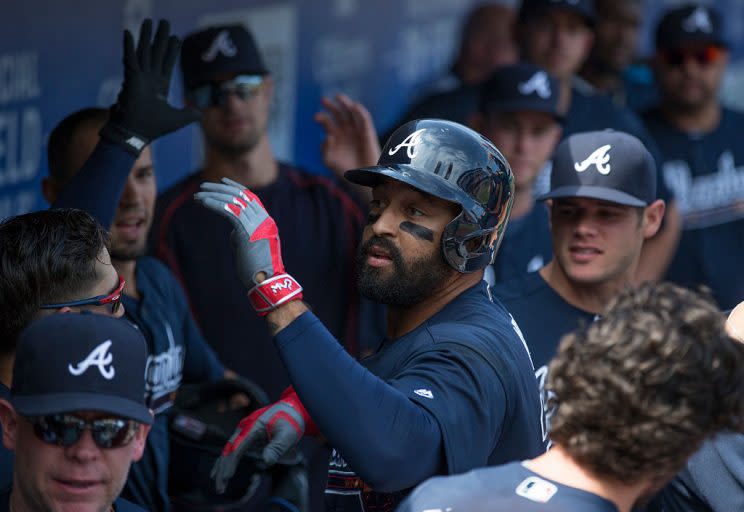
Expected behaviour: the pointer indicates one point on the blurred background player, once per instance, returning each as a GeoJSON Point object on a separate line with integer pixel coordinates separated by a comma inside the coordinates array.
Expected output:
{"type": "Point", "coordinates": [154, 300]}
{"type": "Point", "coordinates": [610, 67]}
{"type": "Point", "coordinates": [76, 417]}
{"type": "Point", "coordinates": [452, 386]}
{"type": "Point", "coordinates": [557, 35]}
{"type": "Point", "coordinates": [225, 78]}
{"type": "Point", "coordinates": [518, 111]}
{"type": "Point", "coordinates": [634, 393]}
{"type": "Point", "coordinates": [603, 206]}
{"type": "Point", "coordinates": [487, 42]}
{"type": "Point", "coordinates": [701, 149]}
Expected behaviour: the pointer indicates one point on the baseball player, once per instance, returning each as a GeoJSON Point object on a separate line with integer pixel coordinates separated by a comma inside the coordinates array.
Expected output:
{"type": "Point", "coordinates": [702, 154]}
{"type": "Point", "coordinates": [713, 478]}
{"type": "Point", "coordinates": [519, 113]}
{"type": "Point", "coordinates": [557, 35]}
{"type": "Point", "coordinates": [451, 386]}
{"type": "Point", "coordinates": [602, 205]}
{"type": "Point", "coordinates": [635, 393]}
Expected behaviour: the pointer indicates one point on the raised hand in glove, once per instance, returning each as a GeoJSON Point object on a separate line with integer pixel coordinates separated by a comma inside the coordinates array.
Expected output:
{"type": "Point", "coordinates": [141, 112]}
{"type": "Point", "coordinates": [275, 430]}
{"type": "Point", "coordinates": [256, 243]}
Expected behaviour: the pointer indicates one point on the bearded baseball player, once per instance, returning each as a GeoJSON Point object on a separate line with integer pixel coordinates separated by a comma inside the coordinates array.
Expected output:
{"type": "Point", "coordinates": [451, 386]}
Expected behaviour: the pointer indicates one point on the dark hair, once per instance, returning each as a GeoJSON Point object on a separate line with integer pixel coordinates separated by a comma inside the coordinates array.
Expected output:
{"type": "Point", "coordinates": [636, 392]}
{"type": "Point", "coordinates": [61, 145]}
{"type": "Point", "coordinates": [45, 257]}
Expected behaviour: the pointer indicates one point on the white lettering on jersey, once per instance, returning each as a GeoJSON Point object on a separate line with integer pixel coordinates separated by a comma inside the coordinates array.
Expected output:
{"type": "Point", "coordinates": [221, 44]}
{"type": "Point", "coordinates": [600, 158]}
{"type": "Point", "coordinates": [536, 263]}
{"type": "Point", "coordinates": [708, 199]}
{"type": "Point", "coordinates": [698, 21]}
{"type": "Point", "coordinates": [538, 83]}
{"type": "Point", "coordinates": [99, 357]}
{"type": "Point", "coordinates": [410, 143]}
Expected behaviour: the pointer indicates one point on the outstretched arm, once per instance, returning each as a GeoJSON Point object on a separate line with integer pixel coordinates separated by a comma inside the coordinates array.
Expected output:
{"type": "Point", "coordinates": [140, 115]}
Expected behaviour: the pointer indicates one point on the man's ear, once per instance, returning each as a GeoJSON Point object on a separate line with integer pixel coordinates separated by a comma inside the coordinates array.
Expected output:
{"type": "Point", "coordinates": [652, 217]}
{"type": "Point", "coordinates": [138, 443]}
{"type": "Point", "coordinates": [9, 420]}
{"type": "Point", "coordinates": [50, 188]}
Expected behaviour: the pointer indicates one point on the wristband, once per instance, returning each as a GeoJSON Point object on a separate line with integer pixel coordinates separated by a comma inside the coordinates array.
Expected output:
{"type": "Point", "coordinates": [274, 292]}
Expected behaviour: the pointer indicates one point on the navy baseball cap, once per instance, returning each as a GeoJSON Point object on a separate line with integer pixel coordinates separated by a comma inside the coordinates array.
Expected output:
{"type": "Point", "coordinates": [690, 24]}
{"type": "Point", "coordinates": [608, 165]}
{"type": "Point", "coordinates": [70, 362]}
{"type": "Point", "coordinates": [520, 87]}
{"type": "Point", "coordinates": [584, 8]}
{"type": "Point", "coordinates": [219, 51]}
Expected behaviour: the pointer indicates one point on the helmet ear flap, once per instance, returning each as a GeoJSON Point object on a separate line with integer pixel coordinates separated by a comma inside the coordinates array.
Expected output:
{"type": "Point", "coordinates": [466, 246]}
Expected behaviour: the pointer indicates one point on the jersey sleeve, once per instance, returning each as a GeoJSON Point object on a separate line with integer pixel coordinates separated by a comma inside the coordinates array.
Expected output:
{"type": "Point", "coordinates": [462, 391]}
{"type": "Point", "coordinates": [97, 187]}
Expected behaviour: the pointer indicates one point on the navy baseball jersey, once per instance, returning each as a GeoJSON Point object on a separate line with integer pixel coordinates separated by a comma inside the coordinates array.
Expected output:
{"type": "Point", "coordinates": [705, 172]}
{"type": "Point", "coordinates": [120, 505]}
{"type": "Point", "coordinates": [176, 352]}
{"type": "Point", "coordinates": [527, 245]}
{"type": "Point", "coordinates": [511, 487]}
{"type": "Point", "coordinates": [320, 225]}
{"type": "Point", "coordinates": [469, 368]}
{"type": "Point", "coordinates": [712, 481]}
{"type": "Point", "coordinates": [542, 315]}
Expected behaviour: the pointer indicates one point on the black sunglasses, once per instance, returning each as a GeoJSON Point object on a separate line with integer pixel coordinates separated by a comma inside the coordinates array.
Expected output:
{"type": "Point", "coordinates": [113, 299]}
{"type": "Point", "coordinates": [66, 430]}
{"type": "Point", "coordinates": [215, 94]}
{"type": "Point", "coordinates": [704, 56]}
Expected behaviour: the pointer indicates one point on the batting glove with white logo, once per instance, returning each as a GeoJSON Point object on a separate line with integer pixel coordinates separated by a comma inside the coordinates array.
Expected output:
{"type": "Point", "coordinates": [275, 430]}
{"type": "Point", "coordinates": [256, 243]}
{"type": "Point", "coordinates": [141, 112]}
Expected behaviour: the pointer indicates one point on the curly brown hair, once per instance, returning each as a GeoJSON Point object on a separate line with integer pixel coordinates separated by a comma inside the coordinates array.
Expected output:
{"type": "Point", "coordinates": [635, 393]}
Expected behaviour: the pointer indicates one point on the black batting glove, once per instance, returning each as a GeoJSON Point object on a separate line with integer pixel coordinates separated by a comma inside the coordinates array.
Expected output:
{"type": "Point", "coordinates": [141, 112]}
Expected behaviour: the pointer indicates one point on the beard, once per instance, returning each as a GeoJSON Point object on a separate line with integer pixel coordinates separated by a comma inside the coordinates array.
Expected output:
{"type": "Point", "coordinates": [410, 282]}
{"type": "Point", "coordinates": [127, 251]}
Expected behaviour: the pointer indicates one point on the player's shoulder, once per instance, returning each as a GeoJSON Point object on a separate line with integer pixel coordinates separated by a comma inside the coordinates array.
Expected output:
{"type": "Point", "coordinates": [525, 287]}
{"type": "Point", "coordinates": [732, 119]}
{"type": "Point", "coordinates": [476, 490]}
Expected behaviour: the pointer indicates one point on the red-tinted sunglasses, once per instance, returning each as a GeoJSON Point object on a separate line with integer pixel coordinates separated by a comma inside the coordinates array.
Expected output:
{"type": "Point", "coordinates": [704, 56]}
{"type": "Point", "coordinates": [113, 299]}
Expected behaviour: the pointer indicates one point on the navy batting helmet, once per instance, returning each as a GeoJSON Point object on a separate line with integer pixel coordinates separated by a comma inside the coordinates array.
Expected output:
{"type": "Point", "coordinates": [452, 162]}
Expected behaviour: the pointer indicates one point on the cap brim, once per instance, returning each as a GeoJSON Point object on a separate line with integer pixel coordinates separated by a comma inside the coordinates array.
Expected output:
{"type": "Point", "coordinates": [427, 182]}
{"type": "Point", "coordinates": [524, 105]}
{"type": "Point", "coordinates": [58, 403]}
{"type": "Point", "coordinates": [605, 194]}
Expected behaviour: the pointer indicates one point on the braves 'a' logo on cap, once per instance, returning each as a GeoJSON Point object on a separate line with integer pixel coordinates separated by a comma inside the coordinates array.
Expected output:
{"type": "Point", "coordinates": [600, 158]}
{"type": "Point", "coordinates": [538, 83]}
{"type": "Point", "coordinates": [99, 357]}
{"type": "Point", "coordinates": [221, 44]}
{"type": "Point", "coordinates": [698, 21]}
{"type": "Point", "coordinates": [411, 143]}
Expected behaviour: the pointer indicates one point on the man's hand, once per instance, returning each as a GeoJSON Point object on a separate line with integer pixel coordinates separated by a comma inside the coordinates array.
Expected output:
{"type": "Point", "coordinates": [351, 140]}
{"type": "Point", "coordinates": [256, 243]}
{"type": "Point", "coordinates": [275, 430]}
{"type": "Point", "coordinates": [141, 112]}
